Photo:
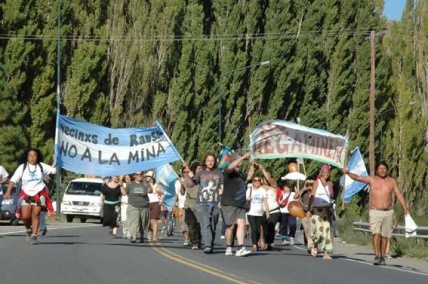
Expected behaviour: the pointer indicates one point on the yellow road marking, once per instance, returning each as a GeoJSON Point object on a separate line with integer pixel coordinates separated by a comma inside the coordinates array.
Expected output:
{"type": "Point", "coordinates": [199, 266]}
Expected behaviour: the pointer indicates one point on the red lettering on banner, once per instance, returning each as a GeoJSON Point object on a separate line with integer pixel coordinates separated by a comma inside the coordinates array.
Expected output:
{"type": "Point", "coordinates": [297, 145]}
{"type": "Point", "coordinates": [282, 143]}
{"type": "Point", "coordinates": [264, 144]}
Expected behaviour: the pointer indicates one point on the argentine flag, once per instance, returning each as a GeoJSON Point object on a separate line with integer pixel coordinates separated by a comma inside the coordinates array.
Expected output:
{"type": "Point", "coordinates": [355, 165]}
{"type": "Point", "coordinates": [166, 177]}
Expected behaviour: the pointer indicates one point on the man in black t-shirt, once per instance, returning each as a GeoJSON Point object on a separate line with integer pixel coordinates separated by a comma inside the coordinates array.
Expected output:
{"type": "Point", "coordinates": [233, 202]}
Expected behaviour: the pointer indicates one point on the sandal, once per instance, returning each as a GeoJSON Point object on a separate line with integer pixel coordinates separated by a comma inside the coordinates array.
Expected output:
{"type": "Point", "coordinates": [314, 251]}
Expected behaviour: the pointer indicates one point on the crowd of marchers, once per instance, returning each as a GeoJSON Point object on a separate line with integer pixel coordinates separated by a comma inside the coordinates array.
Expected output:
{"type": "Point", "coordinates": [250, 204]}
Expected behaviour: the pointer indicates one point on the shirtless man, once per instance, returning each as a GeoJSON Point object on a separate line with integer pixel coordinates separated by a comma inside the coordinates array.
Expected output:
{"type": "Point", "coordinates": [380, 213]}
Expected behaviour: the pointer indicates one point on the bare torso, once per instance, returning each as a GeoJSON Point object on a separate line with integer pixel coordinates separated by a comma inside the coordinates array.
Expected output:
{"type": "Point", "coordinates": [381, 190]}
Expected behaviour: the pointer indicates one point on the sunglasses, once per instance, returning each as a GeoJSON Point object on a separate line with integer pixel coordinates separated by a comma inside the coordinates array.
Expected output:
{"type": "Point", "coordinates": [138, 174]}
{"type": "Point", "coordinates": [257, 180]}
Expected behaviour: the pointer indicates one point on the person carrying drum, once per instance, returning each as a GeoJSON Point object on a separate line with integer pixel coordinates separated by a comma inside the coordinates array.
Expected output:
{"type": "Point", "coordinates": [303, 196]}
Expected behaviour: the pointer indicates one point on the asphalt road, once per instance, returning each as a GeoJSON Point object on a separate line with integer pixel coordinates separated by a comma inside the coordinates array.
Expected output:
{"type": "Point", "coordinates": [85, 253]}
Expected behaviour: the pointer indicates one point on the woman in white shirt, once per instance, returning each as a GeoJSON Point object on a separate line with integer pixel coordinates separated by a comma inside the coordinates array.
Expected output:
{"type": "Point", "coordinates": [257, 195]}
{"type": "Point", "coordinates": [319, 212]}
{"type": "Point", "coordinates": [155, 203]}
{"type": "Point", "coordinates": [288, 222]}
{"type": "Point", "coordinates": [31, 175]}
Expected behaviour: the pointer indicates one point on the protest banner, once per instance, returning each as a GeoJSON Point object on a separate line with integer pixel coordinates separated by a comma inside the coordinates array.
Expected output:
{"type": "Point", "coordinates": [86, 148]}
{"type": "Point", "coordinates": [274, 139]}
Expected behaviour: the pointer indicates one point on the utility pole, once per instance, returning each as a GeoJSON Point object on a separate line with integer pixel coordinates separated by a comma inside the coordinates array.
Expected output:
{"type": "Point", "coordinates": [372, 103]}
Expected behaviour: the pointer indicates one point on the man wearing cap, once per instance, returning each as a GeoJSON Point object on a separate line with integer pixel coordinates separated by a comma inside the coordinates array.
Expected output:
{"type": "Point", "coordinates": [233, 203]}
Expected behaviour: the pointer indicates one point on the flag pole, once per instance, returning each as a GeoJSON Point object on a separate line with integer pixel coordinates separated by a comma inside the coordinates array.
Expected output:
{"type": "Point", "coordinates": [344, 183]}
{"type": "Point", "coordinates": [169, 141]}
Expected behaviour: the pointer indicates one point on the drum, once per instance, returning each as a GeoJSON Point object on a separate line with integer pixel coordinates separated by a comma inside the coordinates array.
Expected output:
{"type": "Point", "coordinates": [304, 199]}
{"type": "Point", "coordinates": [296, 209]}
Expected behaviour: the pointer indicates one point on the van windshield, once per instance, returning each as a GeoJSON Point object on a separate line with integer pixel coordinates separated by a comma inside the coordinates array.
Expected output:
{"type": "Point", "coordinates": [84, 188]}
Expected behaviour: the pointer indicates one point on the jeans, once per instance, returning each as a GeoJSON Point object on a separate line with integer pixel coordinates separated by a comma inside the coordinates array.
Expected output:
{"type": "Point", "coordinates": [42, 220]}
{"type": "Point", "coordinates": [208, 215]}
{"type": "Point", "coordinates": [288, 225]}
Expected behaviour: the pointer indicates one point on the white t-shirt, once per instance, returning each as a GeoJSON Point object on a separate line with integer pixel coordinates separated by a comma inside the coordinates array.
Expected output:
{"type": "Point", "coordinates": [257, 196]}
{"type": "Point", "coordinates": [271, 200]}
{"type": "Point", "coordinates": [154, 196]}
{"type": "Point", "coordinates": [3, 174]}
{"type": "Point", "coordinates": [291, 198]}
{"type": "Point", "coordinates": [181, 198]}
{"type": "Point", "coordinates": [32, 177]}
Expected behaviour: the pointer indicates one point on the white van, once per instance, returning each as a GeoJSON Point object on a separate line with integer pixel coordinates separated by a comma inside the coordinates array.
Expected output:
{"type": "Point", "coordinates": [82, 199]}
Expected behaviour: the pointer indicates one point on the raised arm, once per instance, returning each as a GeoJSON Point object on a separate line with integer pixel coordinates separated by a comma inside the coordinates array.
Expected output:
{"type": "Point", "coordinates": [267, 176]}
{"type": "Point", "coordinates": [236, 162]}
{"type": "Point", "coordinates": [356, 177]}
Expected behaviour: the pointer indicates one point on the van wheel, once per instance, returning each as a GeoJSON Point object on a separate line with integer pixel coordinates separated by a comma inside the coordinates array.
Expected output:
{"type": "Point", "coordinates": [82, 220]}
{"type": "Point", "coordinates": [69, 218]}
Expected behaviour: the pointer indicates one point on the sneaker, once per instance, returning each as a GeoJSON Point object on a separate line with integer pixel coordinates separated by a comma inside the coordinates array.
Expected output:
{"type": "Point", "coordinates": [376, 260]}
{"type": "Point", "coordinates": [243, 252]}
{"type": "Point", "coordinates": [208, 250]}
{"type": "Point", "coordinates": [382, 261]}
{"type": "Point", "coordinates": [45, 230]}
{"type": "Point", "coordinates": [195, 247]}
{"type": "Point", "coordinates": [285, 242]}
{"type": "Point", "coordinates": [163, 229]}
{"type": "Point", "coordinates": [388, 256]}
{"type": "Point", "coordinates": [33, 240]}
{"type": "Point", "coordinates": [229, 251]}
{"type": "Point", "coordinates": [291, 241]}
{"type": "Point", "coordinates": [186, 243]}
{"type": "Point", "coordinates": [222, 237]}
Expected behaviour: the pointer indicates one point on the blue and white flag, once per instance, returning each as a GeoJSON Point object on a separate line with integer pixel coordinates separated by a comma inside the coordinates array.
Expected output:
{"type": "Point", "coordinates": [166, 176]}
{"type": "Point", "coordinates": [355, 165]}
{"type": "Point", "coordinates": [86, 148]}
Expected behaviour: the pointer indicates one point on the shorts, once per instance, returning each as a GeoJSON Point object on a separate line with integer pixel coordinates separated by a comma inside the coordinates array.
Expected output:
{"type": "Point", "coordinates": [231, 214]}
{"type": "Point", "coordinates": [24, 202]}
{"type": "Point", "coordinates": [154, 210]}
{"type": "Point", "coordinates": [381, 222]}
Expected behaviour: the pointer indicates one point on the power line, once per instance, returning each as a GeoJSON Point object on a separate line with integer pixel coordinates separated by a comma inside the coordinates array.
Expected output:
{"type": "Point", "coordinates": [175, 38]}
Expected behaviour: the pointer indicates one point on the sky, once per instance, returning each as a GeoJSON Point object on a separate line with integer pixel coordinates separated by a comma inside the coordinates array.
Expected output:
{"type": "Point", "coordinates": [393, 9]}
